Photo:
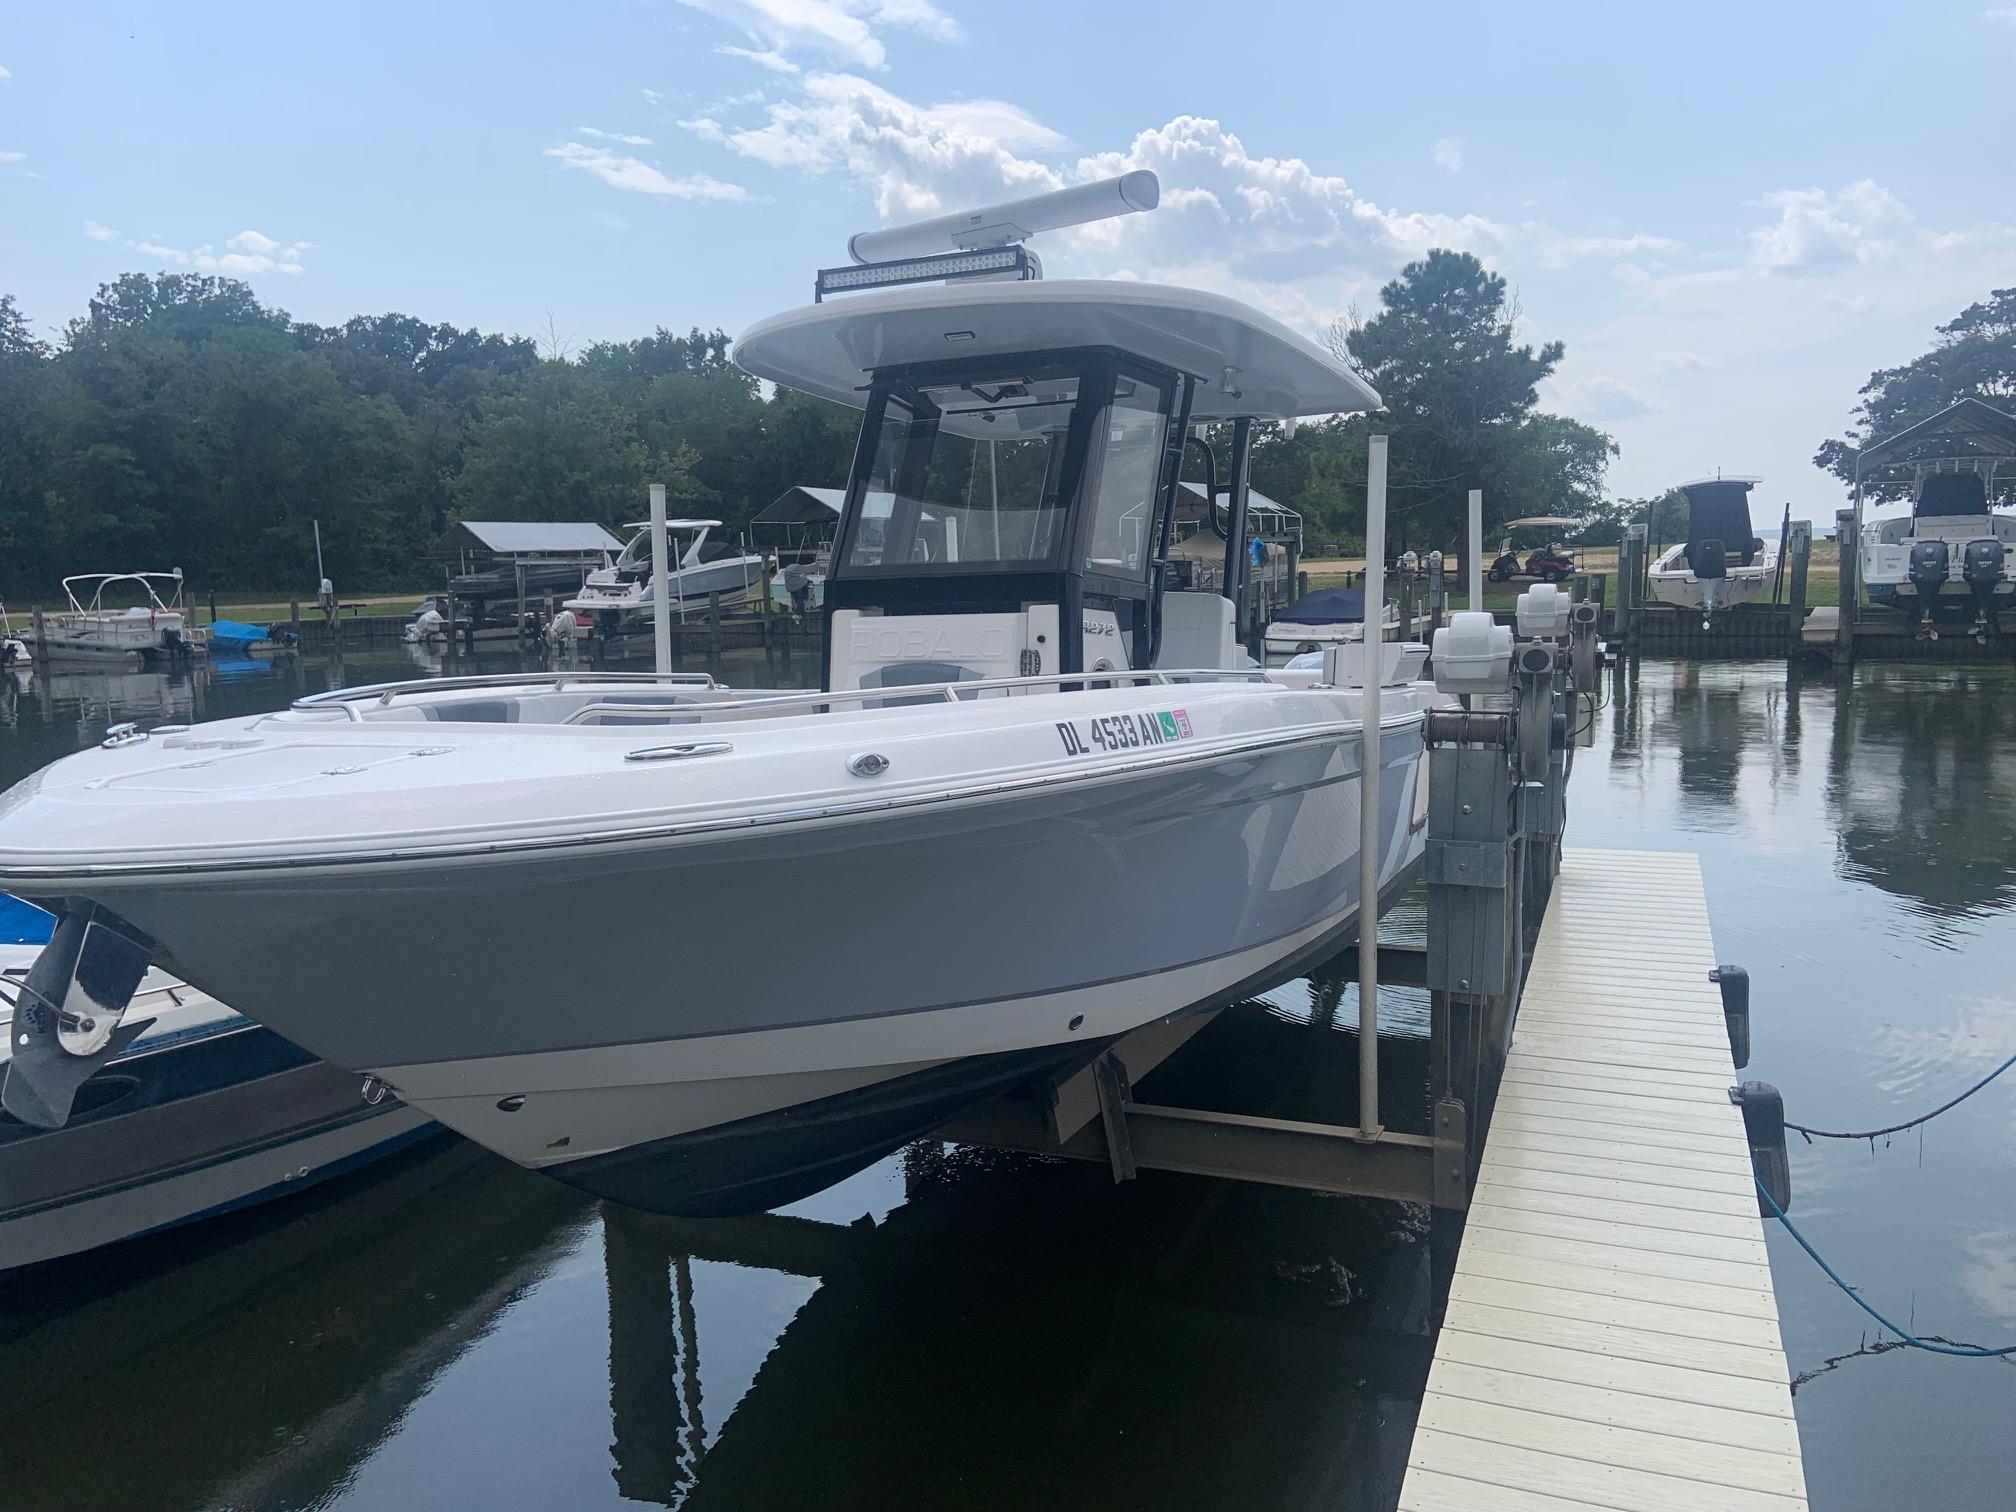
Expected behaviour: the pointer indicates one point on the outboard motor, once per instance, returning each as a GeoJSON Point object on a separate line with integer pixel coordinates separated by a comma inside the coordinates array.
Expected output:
{"type": "Point", "coordinates": [1930, 561]}
{"type": "Point", "coordinates": [1983, 565]}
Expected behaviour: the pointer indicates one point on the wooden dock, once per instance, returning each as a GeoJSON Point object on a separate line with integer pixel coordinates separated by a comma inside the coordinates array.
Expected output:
{"type": "Point", "coordinates": [1611, 1339]}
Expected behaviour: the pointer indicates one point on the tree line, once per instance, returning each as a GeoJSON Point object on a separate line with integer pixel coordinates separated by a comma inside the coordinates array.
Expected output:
{"type": "Point", "coordinates": [182, 422]}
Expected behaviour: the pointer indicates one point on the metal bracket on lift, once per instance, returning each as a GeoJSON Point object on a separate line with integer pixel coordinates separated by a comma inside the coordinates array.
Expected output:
{"type": "Point", "coordinates": [1452, 1153]}
{"type": "Point", "coordinates": [1109, 1076]}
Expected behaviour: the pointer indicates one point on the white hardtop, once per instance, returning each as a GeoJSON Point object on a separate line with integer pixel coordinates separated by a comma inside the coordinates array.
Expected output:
{"type": "Point", "coordinates": [1248, 364]}
{"type": "Point", "coordinates": [1744, 479]}
{"type": "Point", "coordinates": [673, 524]}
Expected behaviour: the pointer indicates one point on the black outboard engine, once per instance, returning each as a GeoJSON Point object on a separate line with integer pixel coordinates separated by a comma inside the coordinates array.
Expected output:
{"type": "Point", "coordinates": [1983, 565]}
{"type": "Point", "coordinates": [1929, 563]}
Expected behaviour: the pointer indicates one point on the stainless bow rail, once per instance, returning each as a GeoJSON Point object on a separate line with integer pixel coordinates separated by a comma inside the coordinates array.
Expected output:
{"type": "Point", "coordinates": [346, 700]}
{"type": "Point", "coordinates": [944, 692]}
{"type": "Point", "coordinates": [350, 701]}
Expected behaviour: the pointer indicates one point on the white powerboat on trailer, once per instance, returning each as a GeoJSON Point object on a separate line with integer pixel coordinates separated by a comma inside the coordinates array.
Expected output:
{"type": "Point", "coordinates": [1722, 563]}
{"type": "Point", "coordinates": [93, 630]}
{"type": "Point", "coordinates": [1948, 559]}
{"type": "Point", "coordinates": [621, 596]}
{"type": "Point", "coordinates": [1041, 800]}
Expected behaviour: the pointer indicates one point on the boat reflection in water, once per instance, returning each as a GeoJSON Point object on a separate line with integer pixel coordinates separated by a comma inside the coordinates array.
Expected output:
{"type": "Point", "coordinates": [1922, 780]}
{"type": "Point", "coordinates": [952, 1328]}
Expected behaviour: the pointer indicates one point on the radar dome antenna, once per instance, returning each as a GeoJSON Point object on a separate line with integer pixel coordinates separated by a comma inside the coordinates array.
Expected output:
{"type": "Point", "coordinates": [1012, 221]}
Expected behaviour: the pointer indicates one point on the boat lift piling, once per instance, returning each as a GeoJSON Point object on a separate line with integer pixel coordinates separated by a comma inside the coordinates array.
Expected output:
{"type": "Point", "coordinates": [661, 591]}
{"type": "Point", "coordinates": [1473, 549]}
{"type": "Point", "coordinates": [1372, 656]}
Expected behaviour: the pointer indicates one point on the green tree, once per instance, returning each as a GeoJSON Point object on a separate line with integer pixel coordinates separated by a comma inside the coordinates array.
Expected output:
{"type": "Point", "coordinates": [1462, 400]}
{"type": "Point", "coordinates": [1974, 356]}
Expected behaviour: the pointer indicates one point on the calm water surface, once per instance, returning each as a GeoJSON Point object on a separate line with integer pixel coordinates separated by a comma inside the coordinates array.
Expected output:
{"type": "Point", "coordinates": [960, 1329]}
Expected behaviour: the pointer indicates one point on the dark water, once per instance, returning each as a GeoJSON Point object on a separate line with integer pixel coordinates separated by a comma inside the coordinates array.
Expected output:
{"type": "Point", "coordinates": [959, 1329]}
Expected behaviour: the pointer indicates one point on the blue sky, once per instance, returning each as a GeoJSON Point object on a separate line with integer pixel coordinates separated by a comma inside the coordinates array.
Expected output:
{"type": "Point", "coordinates": [1730, 213]}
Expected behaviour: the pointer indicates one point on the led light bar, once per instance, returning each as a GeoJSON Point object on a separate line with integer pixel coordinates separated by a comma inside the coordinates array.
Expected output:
{"type": "Point", "coordinates": [992, 261]}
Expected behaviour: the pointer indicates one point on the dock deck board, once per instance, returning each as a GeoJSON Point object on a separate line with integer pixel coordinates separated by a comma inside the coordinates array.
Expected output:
{"type": "Point", "coordinates": [1612, 1334]}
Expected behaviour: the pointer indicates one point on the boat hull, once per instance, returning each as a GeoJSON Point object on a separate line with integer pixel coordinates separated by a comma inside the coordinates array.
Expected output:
{"type": "Point", "coordinates": [735, 1056]}
{"type": "Point", "coordinates": [175, 1133]}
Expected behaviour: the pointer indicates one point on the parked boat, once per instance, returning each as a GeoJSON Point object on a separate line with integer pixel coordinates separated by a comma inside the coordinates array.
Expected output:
{"type": "Point", "coordinates": [93, 630]}
{"type": "Point", "coordinates": [236, 638]}
{"type": "Point", "coordinates": [1039, 800]}
{"type": "Point", "coordinates": [203, 1111]}
{"type": "Point", "coordinates": [1327, 617]}
{"type": "Point", "coordinates": [13, 649]}
{"type": "Point", "coordinates": [1723, 563]}
{"type": "Point", "coordinates": [1948, 560]}
{"type": "Point", "coordinates": [621, 596]}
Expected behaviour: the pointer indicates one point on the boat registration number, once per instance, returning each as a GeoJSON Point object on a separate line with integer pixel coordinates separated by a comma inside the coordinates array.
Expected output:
{"type": "Point", "coordinates": [1124, 732]}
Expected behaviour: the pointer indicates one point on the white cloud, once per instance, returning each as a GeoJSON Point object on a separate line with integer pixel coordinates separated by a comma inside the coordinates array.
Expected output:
{"type": "Point", "coordinates": [2005, 14]}
{"type": "Point", "coordinates": [1601, 399]}
{"type": "Point", "coordinates": [1449, 154]}
{"type": "Point", "coordinates": [247, 253]}
{"type": "Point", "coordinates": [13, 157]}
{"type": "Point", "coordinates": [840, 29]}
{"type": "Point", "coordinates": [653, 96]}
{"type": "Point", "coordinates": [1860, 223]}
{"type": "Point", "coordinates": [620, 172]}
{"type": "Point", "coordinates": [1558, 249]}
{"type": "Point", "coordinates": [5, 74]}
{"type": "Point", "coordinates": [614, 136]}
{"type": "Point", "coordinates": [768, 58]}
{"type": "Point", "coordinates": [612, 222]}
{"type": "Point", "coordinates": [1788, 352]}
{"type": "Point", "coordinates": [99, 232]}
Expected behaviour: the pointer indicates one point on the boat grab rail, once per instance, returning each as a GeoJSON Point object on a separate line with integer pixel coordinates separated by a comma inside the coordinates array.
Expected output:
{"type": "Point", "coordinates": [948, 692]}
{"type": "Point", "coordinates": [347, 699]}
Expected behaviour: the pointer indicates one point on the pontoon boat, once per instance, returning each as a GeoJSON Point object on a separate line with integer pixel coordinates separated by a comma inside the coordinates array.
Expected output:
{"type": "Point", "coordinates": [1038, 799]}
{"type": "Point", "coordinates": [93, 630]}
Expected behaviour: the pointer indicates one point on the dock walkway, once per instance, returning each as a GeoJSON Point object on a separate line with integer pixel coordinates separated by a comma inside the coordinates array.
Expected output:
{"type": "Point", "coordinates": [1611, 1339]}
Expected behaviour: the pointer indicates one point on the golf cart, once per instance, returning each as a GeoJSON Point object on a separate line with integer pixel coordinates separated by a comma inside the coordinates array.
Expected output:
{"type": "Point", "coordinates": [1549, 562]}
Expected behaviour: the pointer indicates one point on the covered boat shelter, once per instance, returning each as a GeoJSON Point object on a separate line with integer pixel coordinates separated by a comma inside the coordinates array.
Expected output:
{"type": "Point", "coordinates": [1969, 440]}
{"type": "Point", "coordinates": [469, 543]}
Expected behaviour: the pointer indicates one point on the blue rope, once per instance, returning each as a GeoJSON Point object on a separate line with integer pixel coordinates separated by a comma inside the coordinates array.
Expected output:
{"type": "Point", "coordinates": [1968, 1351]}
{"type": "Point", "coordinates": [1812, 1134]}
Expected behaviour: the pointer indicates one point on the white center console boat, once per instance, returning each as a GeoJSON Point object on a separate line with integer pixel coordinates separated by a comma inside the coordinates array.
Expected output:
{"type": "Point", "coordinates": [1040, 798]}
{"type": "Point", "coordinates": [1723, 563]}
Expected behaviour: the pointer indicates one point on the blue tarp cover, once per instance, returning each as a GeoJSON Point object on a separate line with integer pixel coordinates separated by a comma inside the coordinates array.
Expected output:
{"type": "Point", "coordinates": [23, 923]}
{"type": "Point", "coordinates": [1327, 606]}
{"type": "Point", "coordinates": [233, 632]}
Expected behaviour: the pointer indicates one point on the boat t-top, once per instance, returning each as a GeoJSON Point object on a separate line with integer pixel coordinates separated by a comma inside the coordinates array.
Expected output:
{"type": "Point", "coordinates": [93, 630]}
{"type": "Point", "coordinates": [1722, 563]}
{"type": "Point", "coordinates": [1040, 797]}
{"type": "Point", "coordinates": [620, 594]}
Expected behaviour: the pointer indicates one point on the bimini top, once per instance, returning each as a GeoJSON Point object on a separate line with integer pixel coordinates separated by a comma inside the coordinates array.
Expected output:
{"type": "Point", "coordinates": [1747, 482]}
{"type": "Point", "coordinates": [1249, 363]}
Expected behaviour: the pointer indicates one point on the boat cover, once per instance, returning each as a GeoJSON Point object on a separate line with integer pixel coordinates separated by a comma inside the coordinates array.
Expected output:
{"type": "Point", "coordinates": [1327, 606]}
{"type": "Point", "coordinates": [1720, 511]}
{"type": "Point", "coordinates": [237, 633]}
{"type": "Point", "coordinates": [1954, 493]}
{"type": "Point", "coordinates": [22, 923]}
